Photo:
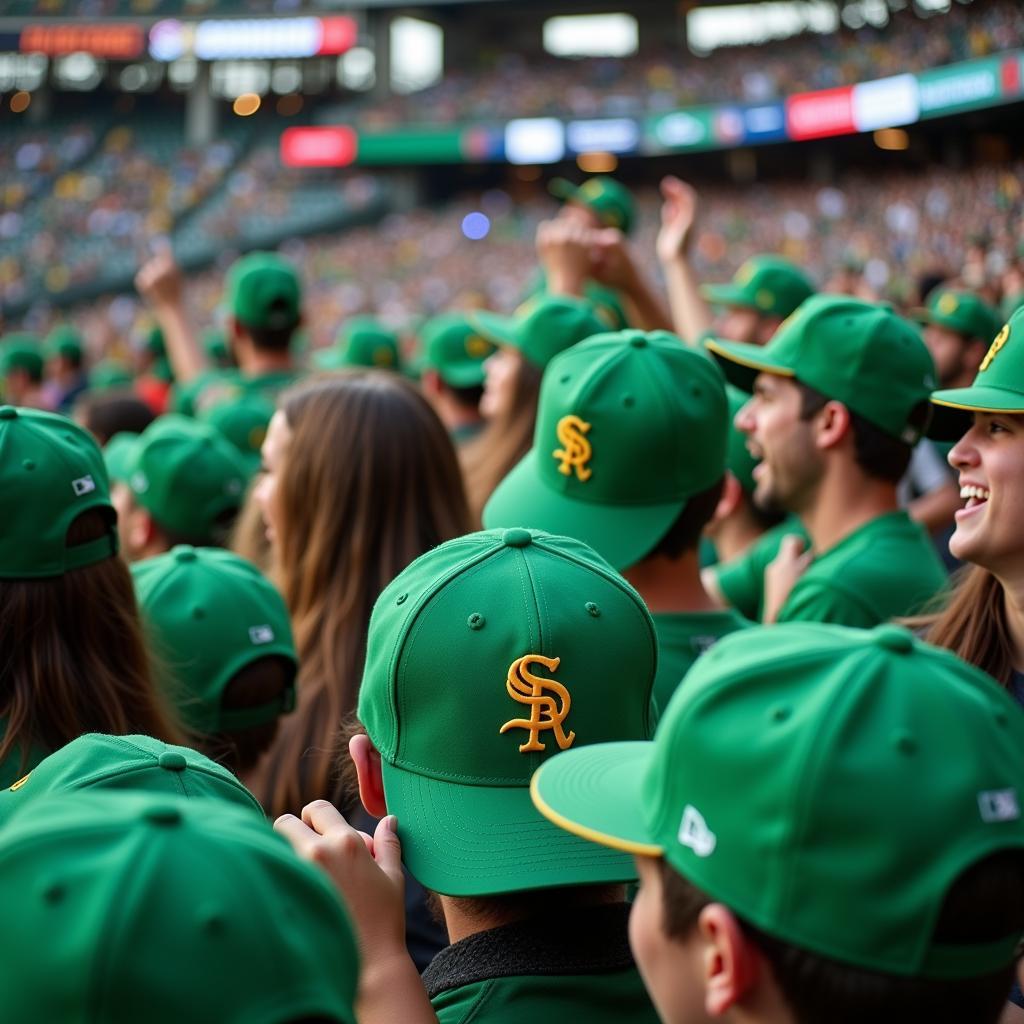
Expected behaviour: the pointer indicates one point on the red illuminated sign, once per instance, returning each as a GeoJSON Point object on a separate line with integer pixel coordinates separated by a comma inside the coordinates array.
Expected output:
{"type": "Point", "coordinates": [816, 115]}
{"type": "Point", "coordinates": [113, 42]}
{"type": "Point", "coordinates": [319, 147]}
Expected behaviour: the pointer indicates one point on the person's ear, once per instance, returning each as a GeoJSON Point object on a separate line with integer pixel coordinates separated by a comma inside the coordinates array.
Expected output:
{"type": "Point", "coordinates": [141, 530]}
{"type": "Point", "coordinates": [831, 425]}
{"type": "Point", "coordinates": [731, 963]}
{"type": "Point", "coordinates": [729, 502]}
{"type": "Point", "coordinates": [371, 781]}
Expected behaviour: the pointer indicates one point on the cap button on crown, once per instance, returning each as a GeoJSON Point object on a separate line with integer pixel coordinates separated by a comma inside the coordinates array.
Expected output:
{"type": "Point", "coordinates": [517, 538]}
{"type": "Point", "coordinates": [638, 341]}
{"type": "Point", "coordinates": [162, 814]}
{"type": "Point", "coordinates": [185, 554]}
{"type": "Point", "coordinates": [8, 412]}
{"type": "Point", "coordinates": [172, 760]}
{"type": "Point", "coordinates": [895, 639]}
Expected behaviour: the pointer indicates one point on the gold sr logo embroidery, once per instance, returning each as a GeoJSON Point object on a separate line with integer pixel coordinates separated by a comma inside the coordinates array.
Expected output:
{"type": "Point", "coordinates": [547, 709]}
{"type": "Point", "coordinates": [997, 343]}
{"type": "Point", "coordinates": [576, 451]}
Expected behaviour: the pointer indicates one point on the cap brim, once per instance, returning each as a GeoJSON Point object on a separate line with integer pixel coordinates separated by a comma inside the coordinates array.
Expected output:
{"type": "Point", "coordinates": [562, 188]}
{"type": "Point", "coordinates": [726, 295]}
{"type": "Point", "coordinates": [595, 793]}
{"type": "Point", "coordinates": [463, 375]}
{"type": "Point", "coordinates": [462, 840]}
{"type": "Point", "coordinates": [495, 328]}
{"type": "Point", "coordinates": [328, 359]}
{"type": "Point", "coordinates": [620, 534]}
{"type": "Point", "coordinates": [741, 363]}
{"type": "Point", "coordinates": [955, 406]}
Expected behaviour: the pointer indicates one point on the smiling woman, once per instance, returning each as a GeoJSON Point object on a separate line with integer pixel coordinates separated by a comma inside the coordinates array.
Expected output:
{"type": "Point", "coordinates": [984, 619]}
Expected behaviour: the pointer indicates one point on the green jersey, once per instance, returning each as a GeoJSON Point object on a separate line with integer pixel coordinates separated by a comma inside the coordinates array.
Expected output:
{"type": "Point", "coordinates": [741, 580]}
{"type": "Point", "coordinates": [217, 386]}
{"type": "Point", "coordinates": [886, 569]}
{"type": "Point", "coordinates": [682, 638]}
{"type": "Point", "coordinates": [544, 972]}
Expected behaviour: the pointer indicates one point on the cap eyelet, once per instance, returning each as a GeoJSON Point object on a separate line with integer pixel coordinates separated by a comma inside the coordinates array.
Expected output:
{"type": "Point", "coordinates": [628, 401]}
{"type": "Point", "coordinates": [476, 621]}
{"type": "Point", "coordinates": [592, 609]}
{"type": "Point", "coordinates": [780, 713]}
{"type": "Point", "coordinates": [904, 742]}
{"type": "Point", "coordinates": [401, 599]}
{"type": "Point", "coordinates": [28, 464]}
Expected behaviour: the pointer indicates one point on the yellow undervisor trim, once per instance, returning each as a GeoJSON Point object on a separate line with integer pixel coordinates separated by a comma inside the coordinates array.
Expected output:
{"type": "Point", "coordinates": [776, 371]}
{"type": "Point", "coordinates": [977, 408]}
{"type": "Point", "coordinates": [591, 834]}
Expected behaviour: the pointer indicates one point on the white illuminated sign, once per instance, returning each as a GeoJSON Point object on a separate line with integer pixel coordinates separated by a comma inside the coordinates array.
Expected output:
{"type": "Point", "coordinates": [608, 135]}
{"type": "Point", "coordinates": [535, 140]}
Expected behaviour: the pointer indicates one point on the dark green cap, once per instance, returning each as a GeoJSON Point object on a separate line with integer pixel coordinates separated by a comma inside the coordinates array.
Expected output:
{"type": "Point", "coordinates": [110, 375]}
{"type": "Point", "coordinates": [153, 342]}
{"type": "Point", "coordinates": [543, 327]}
{"type": "Point", "coordinates": [215, 345]}
{"type": "Point", "coordinates": [362, 341]}
{"type": "Point", "coordinates": [858, 353]}
{"type": "Point", "coordinates": [21, 352]}
{"type": "Point", "coordinates": [186, 474]}
{"type": "Point", "coordinates": [768, 284]}
{"type": "Point", "coordinates": [484, 657]}
{"type": "Point", "coordinates": [455, 350]}
{"type": "Point", "coordinates": [629, 427]}
{"type": "Point", "coordinates": [210, 614]}
{"type": "Point", "coordinates": [95, 761]}
{"type": "Point", "coordinates": [139, 907]}
{"type": "Point", "coordinates": [610, 200]}
{"type": "Point", "coordinates": [64, 342]}
{"type": "Point", "coordinates": [998, 387]}
{"type": "Point", "coordinates": [960, 311]}
{"type": "Point", "coordinates": [263, 291]}
{"type": "Point", "coordinates": [826, 784]}
{"type": "Point", "coordinates": [51, 471]}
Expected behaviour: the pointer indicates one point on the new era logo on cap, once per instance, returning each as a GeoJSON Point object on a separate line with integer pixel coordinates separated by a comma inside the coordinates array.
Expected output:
{"type": "Point", "coordinates": [259, 635]}
{"type": "Point", "coordinates": [83, 485]}
{"type": "Point", "coordinates": [695, 834]}
{"type": "Point", "coordinates": [999, 805]}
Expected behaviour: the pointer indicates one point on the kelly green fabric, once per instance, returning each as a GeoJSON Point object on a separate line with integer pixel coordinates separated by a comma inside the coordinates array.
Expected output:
{"type": "Point", "coordinates": [362, 341]}
{"type": "Point", "coordinates": [614, 998]}
{"type": "Point", "coordinates": [105, 884]}
{"type": "Point", "coordinates": [64, 341]}
{"type": "Point", "coordinates": [243, 421]}
{"type": "Point", "coordinates": [964, 312]}
{"type": "Point", "coordinates": [610, 200]}
{"type": "Point", "coordinates": [16, 354]}
{"type": "Point", "coordinates": [885, 570]}
{"type": "Point", "coordinates": [232, 385]}
{"type": "Point", "coordinates": [606, 301]}
{"type": "Point", "coordinates": [770, 285]}
{"type": "Point", "coordinates": [455, 350]}
{"type": "Point", "coordinates": [858, 353]}
{"type": "Point", "coordinates": [787, 781]}
{"type": "Point", "coordinates": [998, 386]}
{"type": "Point", "coordinates": [629, 427]}
{"type": "Point", "coordinates": [263, 291]}
{"type": "Point", "coordinates": [741, 580]}
{"type": "Point", "coordinates": [465, 647]}
{"type": "Point", "coordinates": [682, 638]}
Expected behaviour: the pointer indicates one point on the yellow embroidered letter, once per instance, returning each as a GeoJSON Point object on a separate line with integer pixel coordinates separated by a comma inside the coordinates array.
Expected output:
{"type": "Point", "coordinates": [546, 712]}
{"type": "Point", "coordinates": [998, 342]}
{"type": "Point", "coordinates": [575, 451]}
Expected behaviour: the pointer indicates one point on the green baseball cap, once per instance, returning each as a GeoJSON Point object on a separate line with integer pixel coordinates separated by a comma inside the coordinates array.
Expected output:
{"type": "Point", "coordinates": [455, 350]}
{"type": "Point", "coordinates": [96, 761]}
{"type": "Point", "coordinates": [998, 386]}
{"type": "Point", "coordinates": [210, 614]}
{"type": "Point", "coordinates": [610, 200]}
{"type": "Point", "coordinates": [859, 353]}
{"type": "Point", "coordinates": [544, 326]}
{"type": "Point", "coordinates": [118, 456]}
{"type": "Point", "coordinates": [961, 311]}
{"type": "Point", "coordinates": [215, 345]}
{"type": "Point", "coordinates": [806, 766]}
{"type": "Point", "coordinates": [263, 292]}
{"type": "Point", "coordinates": [362, 341]}
{"type": "Point", "coordinates": [134, 906]}
{"type": "Point", "coordinates": [484, 657]}
{"type": "Point", "coordinates": [51, 471]}
{"type": "Point", "coordinates": [110, 375]}
{"type": "Point", "coordinates": [21, 352]}
{"type": "Point", "coordinates": [738, 459]}
{"type": "Point", "coordinates": [64, 342]}
{"type": "Point", "coordinates": [186, 474]}
{"type": "Point", "coordinates": [770, 285]}
{"type": "Point", "coordinates": [243, 420]}
{"type": "Point", "coordinates": [629, 427]}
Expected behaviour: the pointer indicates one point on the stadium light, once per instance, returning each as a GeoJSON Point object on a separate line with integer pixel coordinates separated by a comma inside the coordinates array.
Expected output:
{"type": "Point", "coordinates": [892, 138]}
{"type": "Point", "coordinates": [246, 105]}
{"type": "Point", "coordinates": [597, 163]}
{"type": "Point", "coordinates": [591, 35]}
{"type": "Point", "coordinates": [20, 101]}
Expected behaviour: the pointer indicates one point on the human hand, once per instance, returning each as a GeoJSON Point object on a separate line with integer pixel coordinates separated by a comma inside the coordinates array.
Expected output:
{"type": "Point", "coordinates": [159, 280]}
{"type": "Point", "coordinates": [564, 250]}
{"type": "Point", "coordinates": [366, 871]}
{"type": "Point", "coordinates": [678, 214]}
{"type": "Point", "coordinates": [611, 261]}
{"type": "Point", "coordinates": [782, 574]}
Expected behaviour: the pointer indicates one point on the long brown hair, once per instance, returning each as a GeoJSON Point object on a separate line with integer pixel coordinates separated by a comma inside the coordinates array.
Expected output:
{"type": "Point", "coordinates": [504, 441]}
{"type": "Point", "coordinates": [369, 482]}
{"type": "Point", "coordinates": [973, 624]}
{"type": "Point", "coordinates": [73, 657]}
